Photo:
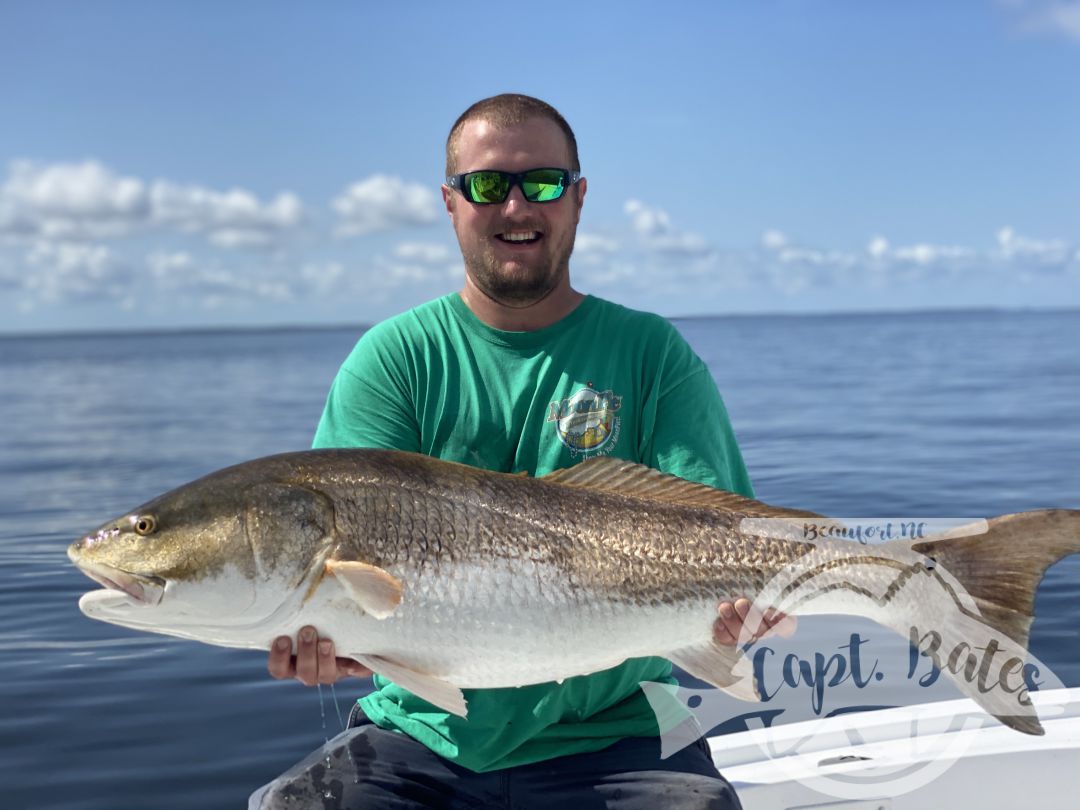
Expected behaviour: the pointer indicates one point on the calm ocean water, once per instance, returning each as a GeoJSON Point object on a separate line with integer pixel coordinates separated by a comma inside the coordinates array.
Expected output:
{"type": "Point", "coordinates": [945, 414]}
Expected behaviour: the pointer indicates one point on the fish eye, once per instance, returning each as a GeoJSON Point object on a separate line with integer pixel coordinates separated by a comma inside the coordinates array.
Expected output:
{"type": "Point", "coordinates": [144, 525]}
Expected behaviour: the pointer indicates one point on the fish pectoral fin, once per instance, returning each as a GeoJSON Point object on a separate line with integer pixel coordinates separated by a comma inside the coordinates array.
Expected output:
{"type": "Point", "coordinates": [725, 667]}
{"type": "Point", "coordinates": [375, 589]}
{"type": "Point", "coordinates": [434, 690]}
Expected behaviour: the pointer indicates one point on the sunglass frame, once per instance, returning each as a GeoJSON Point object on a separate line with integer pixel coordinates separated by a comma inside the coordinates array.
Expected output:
{"type": "Point", "coordinates": [457, 181]}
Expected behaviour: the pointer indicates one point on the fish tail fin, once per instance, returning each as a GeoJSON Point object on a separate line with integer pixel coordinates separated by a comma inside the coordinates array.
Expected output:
{"type": "Point", "coordinates": [998, 571]}
{"type": "Point", "coordinates": [1001, 569]}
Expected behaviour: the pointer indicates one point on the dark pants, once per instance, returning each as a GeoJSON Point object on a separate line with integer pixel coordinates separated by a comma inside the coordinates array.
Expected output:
{"type": "Point", "coordinates": [369, 767]}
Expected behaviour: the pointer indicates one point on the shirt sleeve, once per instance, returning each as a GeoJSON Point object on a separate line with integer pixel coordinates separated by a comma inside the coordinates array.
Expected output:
{"type": "Point", "coordinates": [369, 404]}
{"type": "Point", "coordinates": [690, 432]}
{"type": "Point", "coordinates": [693, 437]}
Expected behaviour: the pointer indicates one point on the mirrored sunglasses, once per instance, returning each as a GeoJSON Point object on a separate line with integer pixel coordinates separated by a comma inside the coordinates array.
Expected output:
{"type": "Point", "coordinates": [491, 186]}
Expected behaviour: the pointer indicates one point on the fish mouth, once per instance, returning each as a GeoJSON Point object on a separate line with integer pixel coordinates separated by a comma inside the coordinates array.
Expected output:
{"type": "Point", "coordinates": [143, 588]}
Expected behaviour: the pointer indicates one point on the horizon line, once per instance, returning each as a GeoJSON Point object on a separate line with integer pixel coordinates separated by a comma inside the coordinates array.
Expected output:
{"type": "Point", "coordinates": [363, 325]}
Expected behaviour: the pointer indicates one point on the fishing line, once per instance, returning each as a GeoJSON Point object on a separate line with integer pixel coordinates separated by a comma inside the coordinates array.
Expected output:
{"type": "Point", "coordinates": [337, 705]}
{"type": "Point", "coordinates": [322, 713]}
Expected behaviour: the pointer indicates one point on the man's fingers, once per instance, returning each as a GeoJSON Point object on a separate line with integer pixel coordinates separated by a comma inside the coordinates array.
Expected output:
{"type": "Point", "coordinates": [722, 635]}
{"type": "Point", "coordinates": [727, 625]}
{"type": "Point", "coordinates": [749, 627]}
{"type": "Point", "coordinates": [307, 657]}
{"type": "Point", "coordinates": [281, 664]}
{"type": "Point", "coordinates": [742, 605]}
{"type": "Point", "coordinates": [754, 625]}
{"type": "Point", "coordinates": [328, 668]}
{"type": "Point", "coordinates": [346, 666]}
{"type": "Point", "coordinates": [781, 625]}
{"type": "Point", "coordinates": [741, 621]}
{"type": "Point", "coordinates": [315, 662]}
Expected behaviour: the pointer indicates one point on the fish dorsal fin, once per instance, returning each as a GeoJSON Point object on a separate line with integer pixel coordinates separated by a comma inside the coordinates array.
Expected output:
{"type": "Point", "coordinates": [621, 477]}
{"type": "Point", "coordinates": [376, 590]}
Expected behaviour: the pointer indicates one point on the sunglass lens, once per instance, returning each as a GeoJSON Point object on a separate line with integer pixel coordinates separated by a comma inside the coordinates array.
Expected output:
{"type": "Point", "coordinates": [543, 185]}
{"type": "Point", "coordinates": [487, 187]}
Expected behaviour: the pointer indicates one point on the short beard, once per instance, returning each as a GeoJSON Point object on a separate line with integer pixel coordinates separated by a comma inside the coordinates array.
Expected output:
{"type": "Point", "coordinates": [519, 290]}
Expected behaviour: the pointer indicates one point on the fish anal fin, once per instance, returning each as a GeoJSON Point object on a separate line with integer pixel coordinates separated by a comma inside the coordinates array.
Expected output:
{"type": "Point", "coordinates": [434, 690]}
{"type": "Point", "coordinates": [619, 477]}
{"type": "Point", "coordinates": [725, 667]}
{"type": "Point", "coordinates": [1026, 724]}
{"type": "Point", "coordinates": [375, 589]}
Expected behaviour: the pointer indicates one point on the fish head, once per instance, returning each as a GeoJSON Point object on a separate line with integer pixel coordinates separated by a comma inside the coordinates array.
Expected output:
{"type": "Point", "coordinates": [220, 552]}
{"type": "Point", "coordinates": [176, 558]}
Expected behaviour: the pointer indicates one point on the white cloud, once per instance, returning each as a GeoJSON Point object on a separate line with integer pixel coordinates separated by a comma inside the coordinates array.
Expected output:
{"type": "Point", "coordinates": [780, 263]}
{"type": "Point", "coordinates": [927, 254]}
{"type": "Point", "coordinates": [817, 258]}
{"type": "Point", "coordinates": [878, 247]}
{"type": "Point", "coordinates": [83, 189]}
{"type": "Point", "coordinates": [912, 258]}
{"type": "Point", "coordinates": [647, 222]}
{"type": "Point", "coordinates": [10, 277]}
{"type": "Point", "coordinates": [791, 268]}
{"type": "Point", "coordinates": [1065, 17]}
{"type": "Point", "coordinates": [71, 201]}
{"type": "Point", "coordinates": [74, 270]}
{"type": "Point", "coordinates": [654, 229]}
{"type": "Point", "coordinates": [613, 274]}
{"type": "Point", "coordinates": [774, 240]}
{"type": "Point", "coordinates": [383, 203]}
{"type": "Point", "coordinates": [590, 243]}
{"type": "Point", "coordinates": [164, 265]}
{"type": "Point", "coordinates": [324, 278]}
{"type": "Point", "coordinates": [1025, 253]}
{"type": "Point", "coordinates": [422, 252]}
{"type": "Point", "coordinates": [89, 201]}
{"type": "Point", "coordinates": [1013, 244]}
{"type": "Point", "coordinates": [211, 285]}
{"type": "Point", "coordinates": [1055, 16]}
{"type": "Point", "coordinates": [13, 222]}
{"type": "Point", "coordinates": [595, 252]}
{"type": "Point", "coordinates": [233, 218]}
{"type": "Point", "coordinates": [780, 248]}
{"type": "Point", "coordinates": [413, 264]}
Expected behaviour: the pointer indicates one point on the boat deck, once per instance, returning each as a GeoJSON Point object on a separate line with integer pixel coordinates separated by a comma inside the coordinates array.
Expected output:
{"type": "Point", "coordinates": [948, 755]}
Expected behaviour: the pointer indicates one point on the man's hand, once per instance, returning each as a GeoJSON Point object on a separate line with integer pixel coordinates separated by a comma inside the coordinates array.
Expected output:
{"type": "Point", "coordinates": [739, 617]}
{"type": "Point", "coordinates": [314, 662]}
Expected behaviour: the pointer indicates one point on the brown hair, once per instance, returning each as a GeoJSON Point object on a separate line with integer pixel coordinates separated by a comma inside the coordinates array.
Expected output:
{"type": "Point", "coordinates": [507, 110]}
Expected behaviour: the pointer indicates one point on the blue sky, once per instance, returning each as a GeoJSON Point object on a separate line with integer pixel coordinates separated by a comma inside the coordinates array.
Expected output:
{"type": "Point", "coordinates": [192, 163]}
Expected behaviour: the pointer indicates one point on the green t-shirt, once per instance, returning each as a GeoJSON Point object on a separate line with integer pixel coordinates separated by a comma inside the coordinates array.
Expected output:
{"type": "Point", "coordinates": [605, 380]}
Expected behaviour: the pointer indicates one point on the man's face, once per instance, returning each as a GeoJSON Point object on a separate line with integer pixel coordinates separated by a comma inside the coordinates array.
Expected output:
{"type": "Point", "coordinates": [515, 273]}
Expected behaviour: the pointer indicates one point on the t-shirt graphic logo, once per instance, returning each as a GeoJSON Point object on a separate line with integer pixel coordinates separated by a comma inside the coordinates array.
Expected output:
{"type": "Point", "coordinates": [586, 422]}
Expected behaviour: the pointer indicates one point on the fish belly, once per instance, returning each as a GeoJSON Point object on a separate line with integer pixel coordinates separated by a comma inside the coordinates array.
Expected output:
{"type": "Point", "coordinates": [497, 625]}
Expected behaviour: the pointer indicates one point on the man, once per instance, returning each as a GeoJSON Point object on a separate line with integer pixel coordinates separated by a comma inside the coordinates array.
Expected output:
{"type": "Point", "coordinates": [521, 372]}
